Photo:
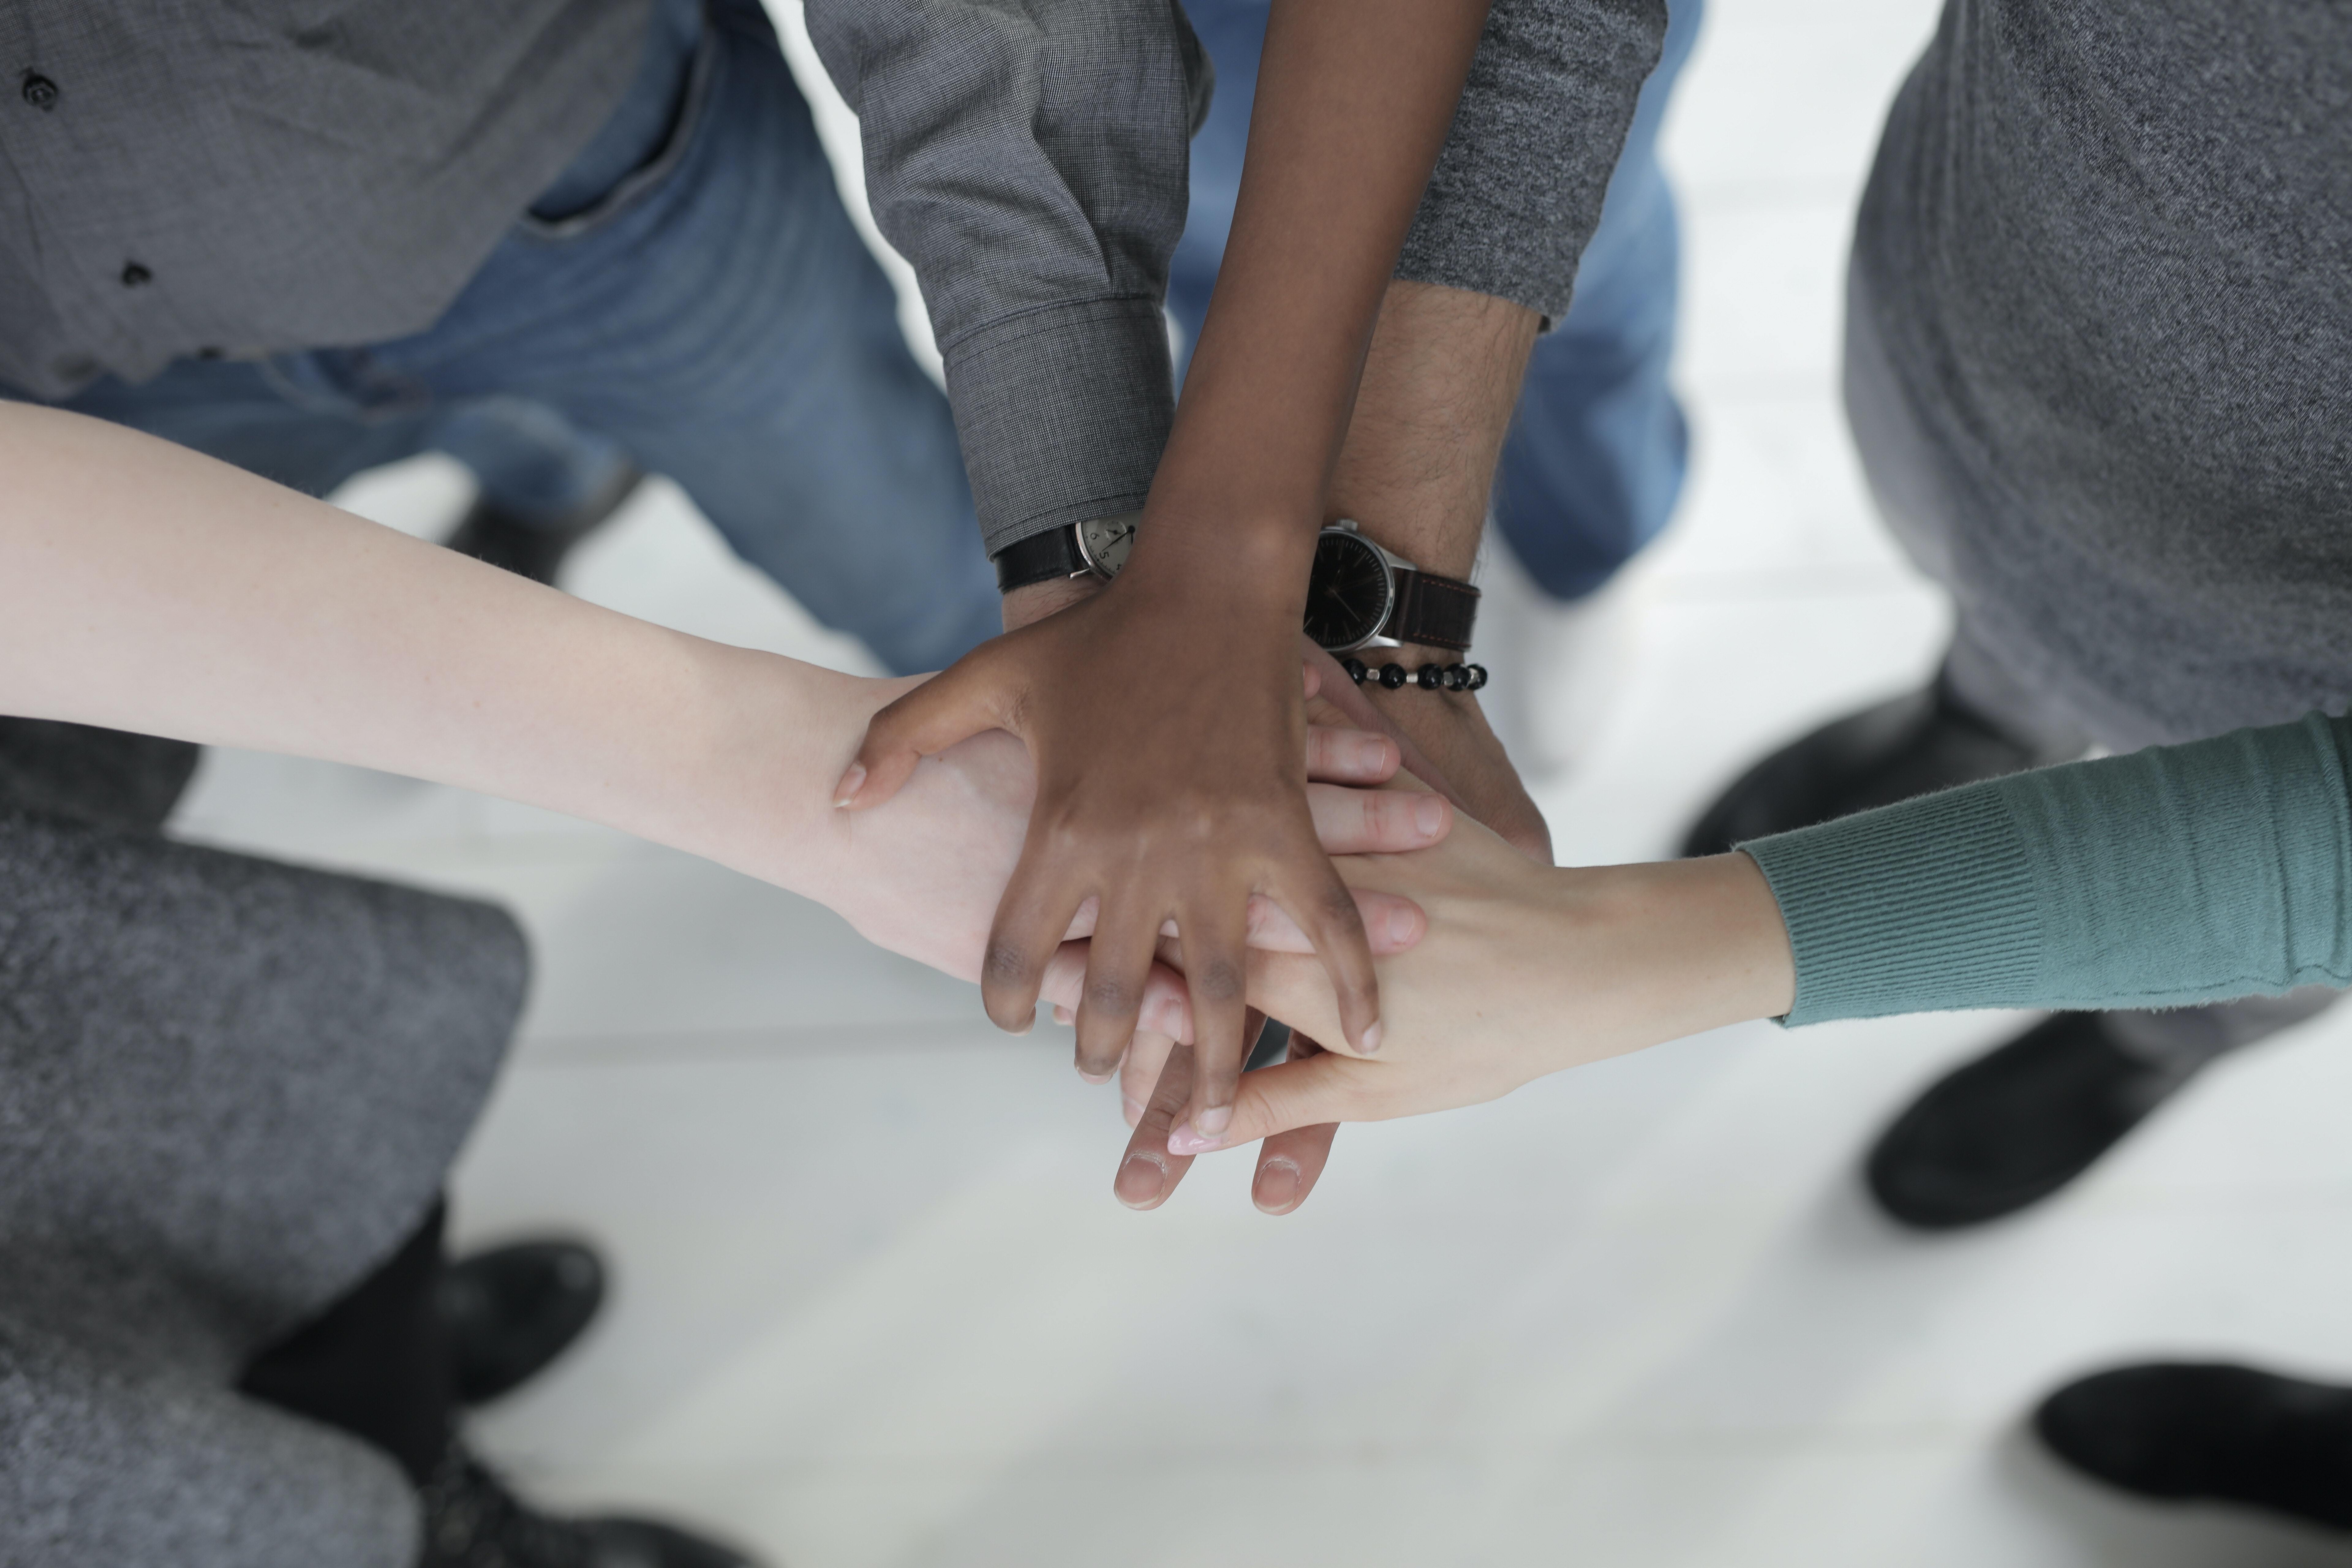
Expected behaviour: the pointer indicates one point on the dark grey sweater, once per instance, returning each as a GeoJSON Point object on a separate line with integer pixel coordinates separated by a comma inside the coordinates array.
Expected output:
{"type": "Point", "coordinates": [2106, 254]}
{"type": "Point", "coordinates": [228, 1089]}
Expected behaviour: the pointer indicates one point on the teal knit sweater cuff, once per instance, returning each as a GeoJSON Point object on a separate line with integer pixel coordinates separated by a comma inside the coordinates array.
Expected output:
{"type": "Point", "coordinates": [1929, 901]}
{"type": "Point", "coordinates": [2172, 876]}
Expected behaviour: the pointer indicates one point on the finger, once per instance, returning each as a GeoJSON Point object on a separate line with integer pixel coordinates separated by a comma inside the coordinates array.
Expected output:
{"type": "Point", "coordinates": [1023, 941]}
{"type": "Point", "coordinates": [1392, 922]}
{"type": "Point", "coordinates": [1213, 942]}
{"type": "Point", "coordinates": [1376, 821]}
{"type": "Point", "coordinates": [1138, 1074]}
{"type": "Point", "coordinates": [1313, 679]}
{"type": "Point", "coordinates": [970, 696]}
{"type": "Point", "coordinates": [1326, 910]}
{"type": "Point", "coordinates": [1113, 999]}
{"type": "Point", "coordinates": [1165, 1009]}
{"type": "Point", "coordinates": [1343, 755]}
{"type": "Point", "coordinates": [1326, 1087]}
{"type": "Point", "coordinates": [1148, 1172]}
{"type": "Point", "coordinates": [1290, 1164]}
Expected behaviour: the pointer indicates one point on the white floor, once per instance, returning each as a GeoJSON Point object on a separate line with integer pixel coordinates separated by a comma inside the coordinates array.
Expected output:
{"type": "Point", "coordinates": [875, 1306]}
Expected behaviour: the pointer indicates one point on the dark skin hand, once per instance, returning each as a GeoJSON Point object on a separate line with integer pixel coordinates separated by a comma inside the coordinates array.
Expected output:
{"type": "Point", "coordinates": [1183, 802]}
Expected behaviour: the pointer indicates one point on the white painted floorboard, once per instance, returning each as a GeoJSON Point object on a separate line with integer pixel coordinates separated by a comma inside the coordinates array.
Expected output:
{"type": "Point", "coordinates": [874, 1306]}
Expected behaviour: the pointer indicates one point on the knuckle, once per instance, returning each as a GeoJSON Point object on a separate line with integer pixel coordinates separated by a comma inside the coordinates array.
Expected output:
{"type": "Point", "coordinates": [1219, 980]}
{"type": "Point", "coordinates": [1111, 994]}
{"type": "Point", "coordinates": [1004, 964]}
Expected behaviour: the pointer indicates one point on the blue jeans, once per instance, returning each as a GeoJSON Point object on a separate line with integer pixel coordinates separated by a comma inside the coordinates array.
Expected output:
{"type": "Point", "coordinates": [1598, 449]}
{"type": "Point", "coordinates": [713, 315]}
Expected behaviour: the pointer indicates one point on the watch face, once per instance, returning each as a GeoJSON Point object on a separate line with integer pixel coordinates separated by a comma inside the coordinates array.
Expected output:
{"type": "Point", "coordinates": [1105, 542]}
{"type": "Point", "coordinates": [1350, 591]}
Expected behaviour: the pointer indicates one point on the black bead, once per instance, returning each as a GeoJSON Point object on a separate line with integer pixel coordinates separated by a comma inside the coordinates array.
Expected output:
{"type": "Point", "coordinates": [40, 92]}
{"type": "Point", "coordinates": [136, 275]}
{"type": "Point", "coordinates": [1355, 668]}
{"type": "Point", "coordinates": [1428, 678]}
{"type": "Point", "coordinates": [1455, 678]}
{"type": "Point", "coordinates": [1392, 676]}
{"type": "Point", "coordinates": [1477, 676]}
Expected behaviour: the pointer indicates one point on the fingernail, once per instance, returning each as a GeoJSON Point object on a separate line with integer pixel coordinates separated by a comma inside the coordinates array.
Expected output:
{"type": "Point", "coordinates": [1063, 1015]}
{"type": "Point", "coordinates": [1429, 815]}
{"type": "Point", "coordinates": [1277, 1189]}
{"type": "Point", "coordinates": [1094, 1077]}
{"type": "Point", "coordinates": [1213, 1122]}
{"type": "Point", "coordinates": [1400, 924]}
{"type": "Point", "coordinates": [851, 782]}
{"type": "Point", "coordinates": [1372, 1041]}
{"type": "Point", "coordinates": [1184, 1141]}
{"type": "Point", "coordinates": [1133, 1107]}
{"type": "Point", "coordinates": [1140, 1180]}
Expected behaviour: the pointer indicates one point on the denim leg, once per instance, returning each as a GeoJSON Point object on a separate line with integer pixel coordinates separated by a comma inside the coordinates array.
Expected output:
{"type": "Point", "coordinates": [532, 463]}
{"type": "Point", "coordinates": [1597, 448]}
{"type": "Point", "coordinates": [246, 413]}
{"type": "Point", "coordinates": [719, 319]}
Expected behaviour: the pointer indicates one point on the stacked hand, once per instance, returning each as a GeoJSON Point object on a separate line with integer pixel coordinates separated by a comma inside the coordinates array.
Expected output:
{"type": "Point", "coordinates": [1173, 794]}
{"type": "Point", "coordinates": [922, 875]}
{"type": "Point", "coordinates": [1526, 969]}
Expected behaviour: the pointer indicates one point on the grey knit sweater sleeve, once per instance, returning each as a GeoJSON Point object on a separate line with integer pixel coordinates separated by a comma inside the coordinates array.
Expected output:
{"type": "Point", "coordinates": [1029, 161]}
{"type": "Point", "coordinates": [1517, 191]}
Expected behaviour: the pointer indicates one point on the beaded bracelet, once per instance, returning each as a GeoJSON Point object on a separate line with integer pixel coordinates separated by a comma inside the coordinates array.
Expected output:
{"type": "Point", "coordinates": [1429, 677]}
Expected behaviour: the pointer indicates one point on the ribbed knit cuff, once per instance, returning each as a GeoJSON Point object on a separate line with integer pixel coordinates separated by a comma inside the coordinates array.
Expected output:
{"type": "Point", "coordinates": [1923, 907]}
{"type": "Point", "coordinates": [1063, 412]}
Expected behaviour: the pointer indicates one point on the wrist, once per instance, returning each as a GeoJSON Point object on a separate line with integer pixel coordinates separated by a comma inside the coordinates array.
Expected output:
{"type": "Point", "coordinates": [1730, 944]}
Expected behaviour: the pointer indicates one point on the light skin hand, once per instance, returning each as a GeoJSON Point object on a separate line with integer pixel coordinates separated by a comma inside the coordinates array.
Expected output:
{"type": "Point", "coordinates": [1526, 969]}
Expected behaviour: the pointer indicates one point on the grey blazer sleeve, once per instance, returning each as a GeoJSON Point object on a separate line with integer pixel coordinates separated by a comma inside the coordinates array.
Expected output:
{"type": "Point", "coordinates": [1517, 191]}
{"type": "Point", "coordinates": [1029, 158]}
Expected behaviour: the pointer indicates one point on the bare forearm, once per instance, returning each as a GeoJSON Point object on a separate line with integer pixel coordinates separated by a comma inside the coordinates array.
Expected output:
{"type": "Point", "coordinates": [1440, 384]}
{"type": "Point", "coordinates": [146, 588]}
{"type": "Point", "coordinates": [1354, 99]}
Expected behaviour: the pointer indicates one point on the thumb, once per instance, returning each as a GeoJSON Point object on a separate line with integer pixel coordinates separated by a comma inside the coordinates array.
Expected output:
{"type": "Point", "coordinates": [970, 698]}
{"type": "Point", "coordinates": [1298, 1093]}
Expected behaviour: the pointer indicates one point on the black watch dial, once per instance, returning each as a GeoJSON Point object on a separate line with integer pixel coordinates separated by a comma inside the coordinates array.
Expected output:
{"type": "Point", "coordinates": [1350, 591]}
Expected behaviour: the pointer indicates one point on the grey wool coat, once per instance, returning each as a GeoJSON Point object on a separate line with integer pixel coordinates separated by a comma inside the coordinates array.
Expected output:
{"type": "Point", "coordinates": [228, 1089]}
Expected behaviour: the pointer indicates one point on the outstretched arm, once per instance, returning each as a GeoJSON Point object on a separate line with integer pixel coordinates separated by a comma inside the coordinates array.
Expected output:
{"type": "Point", "coordinates": [144, 587]}
{"type": "Point", "coordinates": [2171, 876]}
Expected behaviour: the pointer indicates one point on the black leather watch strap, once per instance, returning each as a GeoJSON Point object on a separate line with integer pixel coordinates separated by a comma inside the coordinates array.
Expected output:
{"type": "Point", "coordinates": [1437, 612]}
{"type": "Point", "coordinates": [1038, 558]}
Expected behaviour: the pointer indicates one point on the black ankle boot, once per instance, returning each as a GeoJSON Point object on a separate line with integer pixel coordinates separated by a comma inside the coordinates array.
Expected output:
{"type": "Point", "coordinates": [1911, 745]}
{"type": "Point", "coordinates": [2221, 1434]}
{"type": "Point", "coordinates": [508, 1311]}
{"type": "Point", "coordinates": [472, 1520]}
{"type": "Point", "coordinates": [536, 549]}
{"type": "Point", "coordinates": [2013, 1126]}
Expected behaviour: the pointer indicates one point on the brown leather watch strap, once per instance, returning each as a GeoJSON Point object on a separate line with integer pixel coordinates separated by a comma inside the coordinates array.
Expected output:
{"type": "Point", "coordinates": [1436, 612]}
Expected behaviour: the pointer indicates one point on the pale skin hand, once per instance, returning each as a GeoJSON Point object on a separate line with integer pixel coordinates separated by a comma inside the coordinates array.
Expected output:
{"type": "Point", "coordinates": [144, 587]}
{"type": "Point", "coordinates": [1180, 798]}
{"type": "Point", "coordinates": [1526, 970]}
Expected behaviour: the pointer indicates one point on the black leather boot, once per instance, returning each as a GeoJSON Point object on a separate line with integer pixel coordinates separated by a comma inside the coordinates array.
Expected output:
{"type": "Point", "coordinates": [508, 1311]}
{"type": "Point", "coordinates": [534, 548]}
{"type": "Point", "coordinates": [2016, 1124]}
{"type": "Point", "coordinates": [2182, 1432]}
{"type": "Point", "coordinates": [1910, 745]}
{"type": "Point", "coordinates": [472, 1520]}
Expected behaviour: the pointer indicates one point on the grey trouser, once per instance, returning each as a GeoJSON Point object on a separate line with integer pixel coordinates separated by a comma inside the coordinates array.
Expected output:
{"type": "Point", "coordinates": [228, 1089]}
{"type": "Point", "coordinates": [1928, 502]}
